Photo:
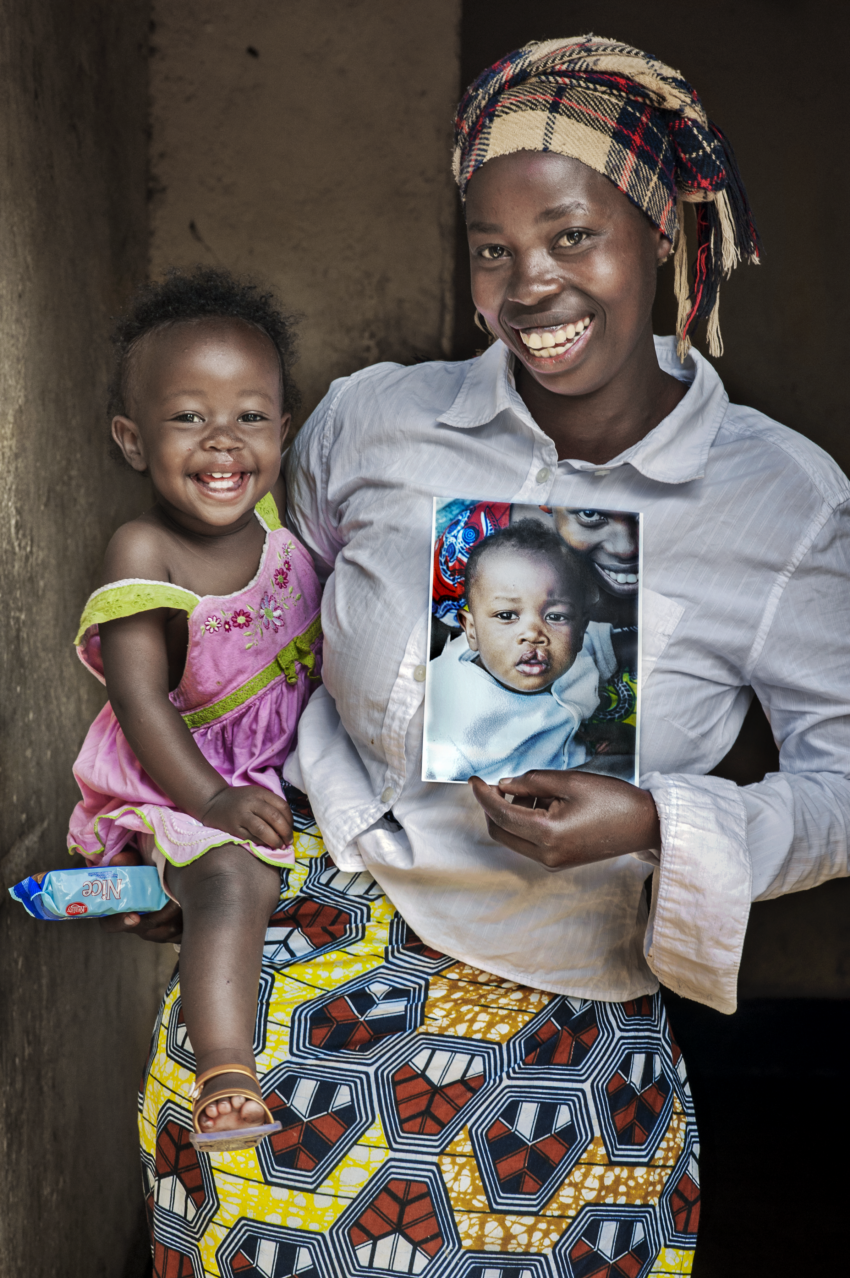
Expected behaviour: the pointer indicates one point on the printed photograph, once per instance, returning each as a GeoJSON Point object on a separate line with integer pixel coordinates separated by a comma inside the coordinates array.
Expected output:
{"type": "Point", "coordinates": [533, 642]}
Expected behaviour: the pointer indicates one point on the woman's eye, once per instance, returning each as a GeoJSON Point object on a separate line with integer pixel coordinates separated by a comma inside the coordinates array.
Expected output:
{"type": "Point", "coordinates": [591, 518]}
{"type": "Point", "coordinates": [571, 238]}
{"type": "Point", "coordinates": [492, 252]}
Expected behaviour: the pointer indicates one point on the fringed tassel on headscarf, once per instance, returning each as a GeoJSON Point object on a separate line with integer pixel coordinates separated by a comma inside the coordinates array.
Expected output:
{"type": "Point", "coordinates": [680, 285]}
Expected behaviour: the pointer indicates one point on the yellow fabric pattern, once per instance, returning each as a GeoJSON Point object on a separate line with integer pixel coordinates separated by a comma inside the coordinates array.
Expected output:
{"type": "Point", "coordinates": [228, 1211]}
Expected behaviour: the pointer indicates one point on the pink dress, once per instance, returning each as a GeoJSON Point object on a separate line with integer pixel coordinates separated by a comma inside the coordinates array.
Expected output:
{"type": "Point", "coordinates": [253, 660]}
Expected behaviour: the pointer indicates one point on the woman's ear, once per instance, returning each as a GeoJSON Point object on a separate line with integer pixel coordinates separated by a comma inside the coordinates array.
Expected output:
{"type": "Point", "coordinates": [128, 438]}
{"type": "Point", "coordinates": [467, 625]}
{"type": "Point", "coordinates": [285, 423]}
{"type": "Point", "coordinates": [665, 248]}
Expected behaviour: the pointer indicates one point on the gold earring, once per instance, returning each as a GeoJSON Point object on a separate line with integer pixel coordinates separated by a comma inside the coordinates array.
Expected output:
{"type": "Point", "coordinates": [480, 322]}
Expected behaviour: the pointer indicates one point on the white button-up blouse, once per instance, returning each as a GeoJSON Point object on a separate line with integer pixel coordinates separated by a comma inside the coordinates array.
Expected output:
{"type": "Point", "coordinates": [746, 570]}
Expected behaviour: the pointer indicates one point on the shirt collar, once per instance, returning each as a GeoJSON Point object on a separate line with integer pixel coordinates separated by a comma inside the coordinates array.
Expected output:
{"type": "Point", "coordinates": [674, 452]}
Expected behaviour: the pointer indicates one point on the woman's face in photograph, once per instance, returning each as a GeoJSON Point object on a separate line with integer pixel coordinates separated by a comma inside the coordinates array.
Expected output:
{"type": "Point", "coordinates": [522, 620]}
{"type": "Point", "coordinates": [611, 542]}
{"type": "Point", "coordinates": [563, 267]}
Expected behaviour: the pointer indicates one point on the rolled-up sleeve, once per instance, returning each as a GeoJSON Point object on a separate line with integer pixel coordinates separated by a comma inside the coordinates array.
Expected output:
{"type": "Point", "coordinates": [723, 846]}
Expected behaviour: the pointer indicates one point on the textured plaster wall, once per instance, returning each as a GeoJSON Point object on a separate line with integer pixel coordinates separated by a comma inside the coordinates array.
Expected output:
{"type": "Point", "coordinates": [76, 1006]}
{"type": "Point", "coordinates": [309, 145]}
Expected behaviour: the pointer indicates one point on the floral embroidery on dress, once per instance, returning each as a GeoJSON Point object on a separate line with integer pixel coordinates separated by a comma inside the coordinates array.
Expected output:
{"type": "Point", "coordinates": [240, 619]}
{"type": "Point", "coordinates": [269, 616]}
{"type": "Point", "coordinates": [272, 613]}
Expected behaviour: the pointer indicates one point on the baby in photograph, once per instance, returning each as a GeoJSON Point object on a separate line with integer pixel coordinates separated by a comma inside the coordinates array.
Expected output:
{"type": "Point", "coordinates": [510, 693]}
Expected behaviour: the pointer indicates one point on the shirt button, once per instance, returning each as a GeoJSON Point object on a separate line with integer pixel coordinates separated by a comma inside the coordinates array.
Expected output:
{"type": "Point", "coordinates": [419, 674]}
{"type": "Point", "coordinates": [387, 795]}
{"type": "Point", "coordinates": [543, 475]}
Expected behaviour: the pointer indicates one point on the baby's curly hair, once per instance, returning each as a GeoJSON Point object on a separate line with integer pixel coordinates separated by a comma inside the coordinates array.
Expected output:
{"type": "Point", "coordinates": [204, 293]}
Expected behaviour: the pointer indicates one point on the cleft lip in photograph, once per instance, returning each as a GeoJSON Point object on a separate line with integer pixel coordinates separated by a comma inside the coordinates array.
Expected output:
{"type": "Point", "coordinates": [533, 641]}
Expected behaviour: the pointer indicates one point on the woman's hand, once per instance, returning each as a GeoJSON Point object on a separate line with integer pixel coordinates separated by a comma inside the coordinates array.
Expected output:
{"type": "Point", "coordinates": [563, 819]}
{"type": "Point", "coordinates": [250, 812]}
{"type": "Point", "coordinates": [160, 926]}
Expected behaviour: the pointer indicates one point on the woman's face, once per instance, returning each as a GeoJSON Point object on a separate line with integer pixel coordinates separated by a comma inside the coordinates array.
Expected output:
{"type": "Point", "coordinates": [610, 540]}
{"type": "Point", "coordinates": [563, 267]}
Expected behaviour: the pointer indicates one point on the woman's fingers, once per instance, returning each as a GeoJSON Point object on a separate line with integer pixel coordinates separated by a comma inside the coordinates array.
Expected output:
{"type": "Point", "coordinates": [579, 818]}
{"type": "Point", "coordinates": [525, 822]}
{"type": "Point", "coordinates": [540, 784]}
{"type": "Point", "coordinates": [120, 922]}
{"type": "Point", "coordinates": [160, 926]}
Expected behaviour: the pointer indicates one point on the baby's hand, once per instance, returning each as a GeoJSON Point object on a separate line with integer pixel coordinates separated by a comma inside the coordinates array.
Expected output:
{"type": "Point", "coordinates": [250, 812]}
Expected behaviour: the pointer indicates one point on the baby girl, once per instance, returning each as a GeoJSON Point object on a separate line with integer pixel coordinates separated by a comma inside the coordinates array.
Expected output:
{"type": "Point", "coordinates": [207, 635]}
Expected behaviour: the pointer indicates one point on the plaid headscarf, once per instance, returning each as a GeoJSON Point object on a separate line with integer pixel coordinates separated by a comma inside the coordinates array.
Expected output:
{"type": "Point", "coordinates": [637, 122]}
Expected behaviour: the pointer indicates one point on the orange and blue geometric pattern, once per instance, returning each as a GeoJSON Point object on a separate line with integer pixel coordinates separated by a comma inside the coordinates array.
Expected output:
{"type": "Point", "coordinates": [436, 1120]}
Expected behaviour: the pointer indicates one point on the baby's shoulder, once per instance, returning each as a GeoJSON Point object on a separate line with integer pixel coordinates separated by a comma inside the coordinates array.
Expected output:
{"type": "Point", "coordinates": [138, 549]}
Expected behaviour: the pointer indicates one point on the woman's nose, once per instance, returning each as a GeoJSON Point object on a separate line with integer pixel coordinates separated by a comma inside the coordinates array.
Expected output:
{"type": "Point", "coordinates": [534, 277]}
{"type": "Point", "coordinates": [622, 539]}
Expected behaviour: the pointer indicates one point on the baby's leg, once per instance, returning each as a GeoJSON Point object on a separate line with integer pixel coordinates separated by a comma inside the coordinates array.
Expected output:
{"type": "Point", "coordinates": [227, 897]}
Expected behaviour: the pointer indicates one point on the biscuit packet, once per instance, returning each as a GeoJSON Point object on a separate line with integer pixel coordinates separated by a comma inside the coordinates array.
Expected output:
{"type": "Point", "coordinates": [58, 895]}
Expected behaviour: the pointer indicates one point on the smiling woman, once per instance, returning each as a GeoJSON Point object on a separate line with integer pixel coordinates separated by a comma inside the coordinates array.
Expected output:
{"type": "Point", "coordinates": [463, 1036]}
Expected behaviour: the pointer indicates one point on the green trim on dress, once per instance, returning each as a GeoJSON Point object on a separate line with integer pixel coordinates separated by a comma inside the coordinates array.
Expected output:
{"type": "Point", "coordinates": [125, 598]}
{"type": "Point", "coordinates": [267, 510]}
{"type": "Point", "coordinates": [138, 594]}
{"type": "Point", "coordinates": [297, 652]}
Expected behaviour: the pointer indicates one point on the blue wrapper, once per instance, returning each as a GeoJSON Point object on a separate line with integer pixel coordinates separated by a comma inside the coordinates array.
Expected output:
{"type": "Point", "coordinates": [60, 895]}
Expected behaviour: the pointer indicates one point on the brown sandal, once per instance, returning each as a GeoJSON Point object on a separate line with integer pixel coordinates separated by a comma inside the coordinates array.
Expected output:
{"type": "Point", "coordinates": [234, 1138]}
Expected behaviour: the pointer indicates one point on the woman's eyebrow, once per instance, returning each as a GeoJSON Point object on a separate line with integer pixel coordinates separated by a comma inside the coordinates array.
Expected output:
{"type": "Point", "coordinates": [484, 228]}
{"type": "Point", "coordinates": [552, 214]}
{"type": "Point", "coordinates": [558, 211]}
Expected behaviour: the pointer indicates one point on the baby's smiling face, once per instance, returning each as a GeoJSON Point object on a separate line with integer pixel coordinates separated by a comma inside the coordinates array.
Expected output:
{"type": "Point", "coordinates": [523, 621]}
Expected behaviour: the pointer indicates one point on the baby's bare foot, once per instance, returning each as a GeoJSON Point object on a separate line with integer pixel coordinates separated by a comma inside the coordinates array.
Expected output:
{"type": "Point", "coordinates": [240, 1109]}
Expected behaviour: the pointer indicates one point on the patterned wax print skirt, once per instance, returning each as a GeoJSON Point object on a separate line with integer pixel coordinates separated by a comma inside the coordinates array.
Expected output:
{"type": "Point", "coordinates": [437, 1120]}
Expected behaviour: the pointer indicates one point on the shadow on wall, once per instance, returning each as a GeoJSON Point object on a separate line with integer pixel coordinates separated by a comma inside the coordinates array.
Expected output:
{"type": "Point", "coordinates": [313, 151]}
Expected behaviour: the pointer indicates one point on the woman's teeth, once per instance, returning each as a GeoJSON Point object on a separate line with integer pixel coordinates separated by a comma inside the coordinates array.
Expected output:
{"type": "Point", "coordinates": [546, 343]}
{"type": "Point", "coordinates": [621, 578]}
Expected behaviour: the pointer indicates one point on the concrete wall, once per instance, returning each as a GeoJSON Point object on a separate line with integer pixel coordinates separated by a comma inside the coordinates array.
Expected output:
{"type": "Point", "coordinates": [76, 1006]}
{"type": "Point", "coordinates": [309, 145]}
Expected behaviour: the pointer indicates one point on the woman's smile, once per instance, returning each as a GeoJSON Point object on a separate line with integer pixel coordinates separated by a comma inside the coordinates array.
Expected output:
{"type": "Point", "coordinates": [543, 345]}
